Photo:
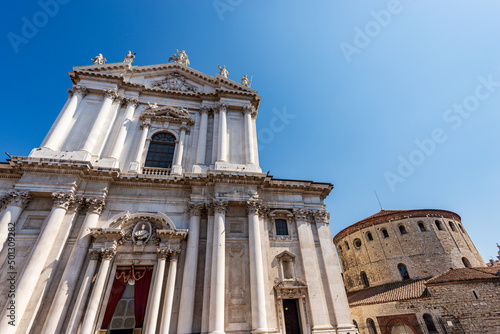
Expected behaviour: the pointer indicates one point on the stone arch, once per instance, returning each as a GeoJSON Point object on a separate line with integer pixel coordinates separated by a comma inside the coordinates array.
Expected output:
{"type": "Point", "coordinates": [125, 218]}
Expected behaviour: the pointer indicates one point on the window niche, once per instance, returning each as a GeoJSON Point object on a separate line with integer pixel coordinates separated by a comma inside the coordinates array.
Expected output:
{"type": "Point", "coordinates": [286, 266]}
{"type": "Point", "coordinates": [280, 225]}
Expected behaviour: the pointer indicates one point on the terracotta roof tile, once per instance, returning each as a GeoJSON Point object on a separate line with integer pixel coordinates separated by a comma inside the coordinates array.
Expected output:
{"type": "Point", "coordinates": [387, 293]}
{"type": "Point", "coordinates": [466, 274]}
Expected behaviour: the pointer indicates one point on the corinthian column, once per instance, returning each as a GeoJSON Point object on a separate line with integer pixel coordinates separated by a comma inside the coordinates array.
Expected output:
{"type": "Point", "coordinates": [97, 294]}
{"type": "Point", "coordinates": [132, 103]}
{"type": "Point", "coordinates": [208, 272]}
{"type": "Point", "coordinates": [15, 202]}
{"type": "Point", "coordinates": [61, 127]}
{"type": "Point", "coordinates": [257, 287]}
{"type": "Point", "coordinates": [79, 304]}
{"type": "Point", "coordinates": [36, 262]}
{"type": "Point", "coordinates": [202, 137]}
{"type": "Point", "coordinates": [96, 129]}
{"type": "Point", "coordinates": [222, 133]}
{"type": "Point", "coordinates": [157, 288]}
{"type": "Point", "coordinates": [248, 111]}
{"type": "Point", "coordinates": [217, 284]}
{"type": "Point", "coordinates": [186, 307]}
{"type": "Point", "coordinates": [136, 163]}
{"type": "Point", "coordinates": [177, 167]}
{"type": "Point", "coordinates": [335, 283]}
{"type": "Point", "coordinates": [319, 310]}
{"type": "Point", "coordinates": [67, 284]}
{"type": "Point", "coordinates": [169, 295]}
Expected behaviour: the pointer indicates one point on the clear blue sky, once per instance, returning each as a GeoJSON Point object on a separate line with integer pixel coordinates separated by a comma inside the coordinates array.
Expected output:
{"type": "Point", "coordinates": [364, 81]}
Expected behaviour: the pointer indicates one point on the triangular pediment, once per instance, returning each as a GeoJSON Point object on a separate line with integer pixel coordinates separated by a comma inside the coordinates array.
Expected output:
{"type": "Point", "coordinates": [167, 114]}
{"type": "Point", "coordinates": [169, 77]}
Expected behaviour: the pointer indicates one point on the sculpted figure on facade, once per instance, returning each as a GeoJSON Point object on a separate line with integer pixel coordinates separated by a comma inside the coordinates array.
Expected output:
{"type": "Point", "coordinates": [141, 233]}
{"type": "Point", "coordinates": [245, 82]}
{"type": "Point", "coordinates": [223, 72]}
{"type": "Point", "coordinates": [181, 57]}
{"type": "Point", "coordinates": [129, 58]}
{"type": "Point", "coordinates": [99, 59]}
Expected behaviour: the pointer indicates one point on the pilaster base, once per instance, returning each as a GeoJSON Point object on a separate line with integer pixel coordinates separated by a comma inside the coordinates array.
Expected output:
{"type": "Point", "coordinates": [108, 163]}
{"type": "Point", "coordinates": [222, 165]}
{"type": "Point", "coordinates": [176, 170]}
{"type": "Point", "coordinates": [347, 329]}
{"type": "Point", "coordinates": [62, 155]}
{"type": "Point", "coordinates": [323, 330]}
{"type": "Point", "coordinates": [199, 169]}
{"type": "Point", "coordinates": [134, 167]}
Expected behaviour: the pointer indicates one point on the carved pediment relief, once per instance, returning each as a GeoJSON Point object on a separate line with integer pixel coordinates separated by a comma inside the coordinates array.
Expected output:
{"type": "Point", "coordinates": [167, 114]}
{"type": "Point", "coordinates": [176, 82]}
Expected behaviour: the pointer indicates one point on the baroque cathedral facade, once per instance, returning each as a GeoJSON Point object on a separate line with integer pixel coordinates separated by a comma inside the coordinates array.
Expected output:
{"type": "Point", "coordinates": [145, 210]}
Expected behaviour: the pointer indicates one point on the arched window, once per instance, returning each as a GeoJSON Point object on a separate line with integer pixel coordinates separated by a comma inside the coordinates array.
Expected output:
{"type": "Point", "coordinates": [452, 226]}
{"type": "Point", "coordinates": [370, 324]}
{"type": "Point", "coordinates": [369, 236]}
{"type": "Point", "coordinates": [403, 271]}
{"type": "Point", "coordinates": [355, 323]}
{"type": "Point", "coordinates": [466, 262]}
{"type": "Point", "coordinates": [346, 245]}
{"type": "Point", "coordinates": [402, 229]}
{"type": "Point", "coordinates": [161, 151]}
{"type": "Point", "coordinates": [340, 248]}
{"type": "Point", "coordinates": [364, 280]}
{"type": "Point", "coordinates": [461, 228]}
{"type": "Point", "coordinates": [421, 226]}
{"type": "Point", "coordinates": [438, 225]}
{"type": "Point", "coordinates": [429, 323]}
{"type": "Point", "coordinates": [385, 233]}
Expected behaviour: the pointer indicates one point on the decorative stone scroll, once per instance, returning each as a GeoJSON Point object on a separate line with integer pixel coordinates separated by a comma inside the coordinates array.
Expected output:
{"type": "Point", "coordinates": [301, 214]}
{"type": "Point", "coordinates": [110, 93]}
{"type": "Point", "coordinates": [250, 109]}
{"type": "Point", "coordinates": [220, 206]}
{"type": "Point", "coordinates": [320, 216]}
{"type": "Point", "coordinates": [63, 200]}
{"type": "Point", "coordinates": [78, 89]}
{"type": "Point", "coordinates": [94, 205]}
{"type": "Point", "coordinates": [17, 198]}
{"type": "Point", "coordinates": [132, 101]}
{"type": "Point", "coordinates": [195, 209]}
{"type": "Point", "coordinates": [220, 106]}
{"type": "Point", "coordinates": [176, 82]}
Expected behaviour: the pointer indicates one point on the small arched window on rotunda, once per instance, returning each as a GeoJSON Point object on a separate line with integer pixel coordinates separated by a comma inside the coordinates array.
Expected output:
{"type": "Point", "coordinates": [461, 228]}
{"type": "Point", "coordinates": [385, 233]}
{"type": "Point", "coordinates": [346, 245]}
{"type": "Point", "coordinates": [402, 229]}
{"type": "Point", "coordinates": [161, 151]}
{"type": "Point", "coordinates": [452, 226]}
{"type": "Point", "coordinates": [429, 323]}
{"type": "Point", "coordinates": [369, 236]}
{"type": "Point", "coordinates": [403, 271]}
{"type": "Point", "coordinates": [421, 226]}
{"type": "Point", "coordinates": [364, 280]}
{"type": "Point", "coordinates": [466, 262]}
{"type": "Point", "coordinates": [438, 225]}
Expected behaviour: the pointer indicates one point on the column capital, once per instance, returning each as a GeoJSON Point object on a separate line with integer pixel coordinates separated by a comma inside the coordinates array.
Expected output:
{"type": "Point", "coordinates": [122, 101]}
{"type": "Point", "coordinates": [78, 89]}
{"type": "Point", "coordinates": [17, 198]}
{"type": "Point", "coordinates": [94, 205]}
{"type": "Point", "coordinates": [320, 216]}
{"type": "Point", "coordinates": [62, 200]}
{"type": "Point", "coordinates": [210, 209]}
{"type": "Point", "coordinates": [220, 206]}
{"type": "Point", "coordinates": [220, 107]}
{"type": "Point", "coordinates": [250, 109]}
{"type": "Point", "coordinates": [205, 109]}
{"type": "Point", "coordinates": [301, 214]}
{"type": "Point", "coordinates": [108, 253]}
{"type": "Point", "coordinates": [253, 207]}
{"type": "Point", "coordinates": [94, 254]}
{"type": "Point", "coordinates": [110, 93]}
{"type": "Point", "coordinates": [174, 254]}
{"type": "Point", "coordinates": [146, 123]}
{"type": "Point", "coordinates": [132, 102]}
{"type": "Point", "coordinates": [163, 253]}
{"type": "Point", "coordinates": [195, 209]}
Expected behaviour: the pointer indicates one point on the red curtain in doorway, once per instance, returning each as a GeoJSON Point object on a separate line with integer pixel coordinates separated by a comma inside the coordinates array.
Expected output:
{"type": "Point", "coordinates": [117, 290]}
{"type": "Point", "coordinates": [141, 291]}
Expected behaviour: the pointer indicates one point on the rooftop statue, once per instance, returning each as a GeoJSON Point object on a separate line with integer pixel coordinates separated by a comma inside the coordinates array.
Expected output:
{"type": "Point", "coordinates": [152, 106]}
{"type": "Point", "coordinates": [223, 72]}
{"type": "Point", "coordinates": [245, 82]}
{"type": "Point", "coordinates": [99, 59]}
{"type": "Point", "coordinates": [129, 58]}
{"type": "Point", "coordinates": [181, 57]}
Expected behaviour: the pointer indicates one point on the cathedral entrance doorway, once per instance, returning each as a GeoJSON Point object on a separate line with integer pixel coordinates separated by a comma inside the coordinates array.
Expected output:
{"type": "Point", "coordinates": [291, 315]}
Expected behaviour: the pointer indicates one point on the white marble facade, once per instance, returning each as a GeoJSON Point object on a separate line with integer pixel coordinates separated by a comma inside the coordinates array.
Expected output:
{"type": "Point", "coordinates": [230, 248]}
